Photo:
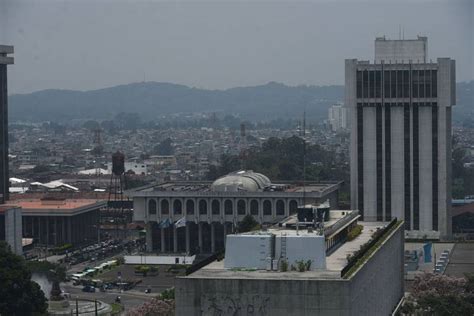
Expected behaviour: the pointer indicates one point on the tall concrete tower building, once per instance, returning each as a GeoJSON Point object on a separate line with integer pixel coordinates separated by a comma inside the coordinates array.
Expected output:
{"type": "Point", "coordinates": [400, 111]}
{"type": "Point", "coordinates": [4, 177]}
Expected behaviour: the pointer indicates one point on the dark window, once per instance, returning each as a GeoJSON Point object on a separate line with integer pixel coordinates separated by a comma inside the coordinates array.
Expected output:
{"type": "Point", "coordinates": [360, 157]}
{"type": "Point", "coordinates": [378, 154]}
{"type": "Point", "coordinates": [228, 207]}
{"type": "Point", "coordinates": [165, 207]}
{"type": "Point", "coordinates": [152, 207]}
{"type": "Point", "coordinates": [371, 83]}
{"type": "Point", "coordinates": [359, 84]}
{"type": "Point", "coordinates": [215, 207]}
{"type": "Point", "coordinates": [293, 207]}
{"type": "Point", "coordinates": [428, 83]}
{"type": "Point", "coordinates": [393, 84]}
{"type": "Point", "coordinates": [421, 83]}
{"type": "Point", "coordinates": [388, 163]}
{"type": "Point", "coordinates": [399, 84]}
{"type": "Point", "coordinates": [254, 207]}
{"type": "Point", "coordinates": [434, 83]}
{"type": "Point", "coordinates": [280, 208]}
{"type": "Point", "coordinates": [406, 141]}
{"type": "Point", "coordinates": [365, 84]}
{"type": "Point", "coordinates": [416, 170]}
{"type": "Point", "coordinates": [202, 207]}
{"type": "Point", "coordinates": [190, 207]}
{"type": "Point", "coordinates": [414, 85]}
{"type": "Point", "coordinates": [177, 207]}
{"type": "Point", "coordinates": [241, 208]}
{"type": "Point", "coordinates": [406, 84]}
{"type": "Point", "coordinates": [267, 207]}
{"type": "Point", "coordinates": [434, 168]}
{"type": "Point", "coordinates": [378, 84]}
{"type": "Point", "coordinates": [386, 84]}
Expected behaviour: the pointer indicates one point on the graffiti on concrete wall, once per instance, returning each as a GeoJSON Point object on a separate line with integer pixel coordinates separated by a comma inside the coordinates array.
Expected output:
{"type": "Point", "coordinates": [220, 305]}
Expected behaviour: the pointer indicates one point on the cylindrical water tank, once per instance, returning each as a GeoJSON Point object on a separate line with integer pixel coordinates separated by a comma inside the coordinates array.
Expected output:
{"type": "Point", "coordinates": [118, 163]}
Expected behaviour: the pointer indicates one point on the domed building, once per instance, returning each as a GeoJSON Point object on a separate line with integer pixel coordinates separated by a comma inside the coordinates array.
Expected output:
{"type": "Point", "coordinates": [208, 211]}
{"type": "Point", "coordinates": [248, 181]}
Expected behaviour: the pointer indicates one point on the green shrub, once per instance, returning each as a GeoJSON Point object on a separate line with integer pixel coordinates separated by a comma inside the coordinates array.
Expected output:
{"type": "Point", "coordinates": [167, 294]}
{"type": "Point", "coordinates": [300, 264]}
{"type": "Point", "coordinates": [308, 265]}
{"type": "Point", "coordinates": [283, 266]}
{"type": "Point", "coordinates": [354, 232]}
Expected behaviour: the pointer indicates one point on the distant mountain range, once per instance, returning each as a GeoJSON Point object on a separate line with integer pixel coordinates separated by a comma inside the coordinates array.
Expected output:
{"type": "Point", "coordinates": [155, 99]}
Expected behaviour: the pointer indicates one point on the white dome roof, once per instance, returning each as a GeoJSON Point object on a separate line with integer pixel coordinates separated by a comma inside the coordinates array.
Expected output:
{"type": "Point", "coordinates": [241, 181]}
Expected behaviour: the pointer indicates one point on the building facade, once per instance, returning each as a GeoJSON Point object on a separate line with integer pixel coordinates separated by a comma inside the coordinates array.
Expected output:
{"type": "Point", "coordinates": [10, 227]}
{"type": "Point", "coordinates": [211, 210]}
{"type": "Point", "coordinates": [4, 175]}
{"type": "Point", "coordinates": [337, 117]}
{"type": "Point", "coordinates": [55, 222]}
{"type": "Point", "coordinates": [217, 290]}
{"type": "Point", "coordinates": [400, 108]}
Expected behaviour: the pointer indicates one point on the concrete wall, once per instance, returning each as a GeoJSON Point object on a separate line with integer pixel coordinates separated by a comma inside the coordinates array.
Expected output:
{"type": "Point", "coordinates": [13, 229]}
{"type": "Point", "coordinates": [401, 50]}
{"type": "Point", "coordinates": [374, 290]}
{"type": "Point", "coordinates": [378, 286]}
{"type": "Point", "coordinates": [261, 297]}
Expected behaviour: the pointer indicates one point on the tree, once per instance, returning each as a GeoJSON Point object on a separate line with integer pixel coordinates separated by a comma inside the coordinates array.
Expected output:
{"type": "Point", "coordinates": [435, 294]}
{"type": "Point", "coordinates": [19, 295]}
{"type": "Point", "coordinates": [247, 224]}
{"type": "Point", "coordinates": [156, 306]}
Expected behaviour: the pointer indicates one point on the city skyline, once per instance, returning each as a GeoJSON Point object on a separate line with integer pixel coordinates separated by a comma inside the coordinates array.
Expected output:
{"type": "Point", "coordinates": [215, 46]}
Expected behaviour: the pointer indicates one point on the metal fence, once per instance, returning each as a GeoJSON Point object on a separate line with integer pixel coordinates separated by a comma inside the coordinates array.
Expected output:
{"type": "Point", "coordinates": [204, 262]}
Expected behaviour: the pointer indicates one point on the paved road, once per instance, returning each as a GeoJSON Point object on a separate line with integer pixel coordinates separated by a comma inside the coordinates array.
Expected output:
{"type": "Point", "coordinates": [461, 260]}
{"type": "Point", "coordinates": [130, 299]}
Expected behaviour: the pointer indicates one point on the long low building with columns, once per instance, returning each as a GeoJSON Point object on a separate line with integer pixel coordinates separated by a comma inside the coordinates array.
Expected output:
{"type": "Point", "coordinates": [54, 222]}
{"type": "Point", "coordinates": [208, 211]}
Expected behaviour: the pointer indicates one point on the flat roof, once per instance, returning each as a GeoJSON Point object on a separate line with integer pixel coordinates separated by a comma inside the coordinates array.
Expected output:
{"type": "Point", "coordinates": [58, 207]}
{"type": "Point", "coordinates": [335, 262]}
{"type": "Point", "coordinates": [6, 207]}
{"type": "Point", "coordinates": [187, 188]}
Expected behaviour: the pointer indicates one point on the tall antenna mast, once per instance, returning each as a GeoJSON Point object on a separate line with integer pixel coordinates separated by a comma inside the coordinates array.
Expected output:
{"type": "Point", "coordinates": [304, 158]}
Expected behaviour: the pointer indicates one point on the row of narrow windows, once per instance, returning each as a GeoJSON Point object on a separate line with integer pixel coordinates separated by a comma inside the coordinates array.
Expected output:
{"type": "Point", "coordinates": [228, 207]}
{"type": "Point", "coordinates": [411, 155]}
{"type": "Point", "coordinates": [420, 83]}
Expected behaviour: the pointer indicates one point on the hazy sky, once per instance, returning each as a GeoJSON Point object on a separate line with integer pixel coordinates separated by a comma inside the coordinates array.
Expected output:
{"type": "Point", "coordinates": [85, 45]}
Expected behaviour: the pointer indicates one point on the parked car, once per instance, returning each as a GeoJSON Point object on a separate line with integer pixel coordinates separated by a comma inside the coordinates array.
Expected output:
{"type": "Point", "coordinates": [88, 288]}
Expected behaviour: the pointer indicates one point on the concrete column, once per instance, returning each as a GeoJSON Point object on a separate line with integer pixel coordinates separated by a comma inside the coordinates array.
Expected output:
{"type": "Point", "coordinates": [172, 209]}
{"type": "Point", "coordinates": [187, 239]}
{"type": "Point", "coordinates": [175, 239]}
{"type": "Point", "coordinates": [149, 240]}
{"type": "Point", "coordinates": [36, 222]}
{"type": "Point", "coordinates": [273, 208]}
{"type": "Point", "coordinates": [225, 230]}
{"type": "Point", "coordinates": [55, 230]}
{"type": "Point", "coordinates": [69, 230]}
{"type": "Point", "coordinates": [200, 236]}
{"type": "Point", "coordinates": [32, 221]}
{"type": "Point", "coordinates": [63, 229]}
{"type": "Point", "coordinates": [163, 244]}
{"type": "Point", "coordinates": [47, 231]}
{"type": "Point", "coordinates": [213, 238]}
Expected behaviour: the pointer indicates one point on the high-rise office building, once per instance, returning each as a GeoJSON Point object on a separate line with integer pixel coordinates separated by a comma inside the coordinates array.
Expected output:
{"type": "Point", "coordinates": [337, 117]}
{"type": "Point", "coordinates": [400, 108]}
{"type": "Point", "coordinates": [4, 178]}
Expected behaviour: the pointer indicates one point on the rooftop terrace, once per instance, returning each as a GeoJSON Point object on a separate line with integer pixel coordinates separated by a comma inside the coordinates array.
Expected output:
{"type": "Point", "coordinates": [335, 262]}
